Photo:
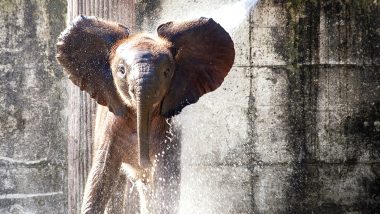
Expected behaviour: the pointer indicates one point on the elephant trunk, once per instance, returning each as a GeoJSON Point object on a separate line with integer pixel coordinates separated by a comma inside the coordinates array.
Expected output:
{"type": "Point", "coordinates": [144, 117]}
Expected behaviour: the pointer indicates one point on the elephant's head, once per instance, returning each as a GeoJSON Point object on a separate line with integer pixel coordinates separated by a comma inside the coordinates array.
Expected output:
{"type": "Point", "coordinates": [143, 73]}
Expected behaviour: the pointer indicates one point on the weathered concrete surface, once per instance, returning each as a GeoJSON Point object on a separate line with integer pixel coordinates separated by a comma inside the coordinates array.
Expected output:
{"type": "Point", "coordinates": [32, 127]}
{"type": "Point", "coordinates": [293, 129]}
{"type": "Point", "coordinates": [295, 126]}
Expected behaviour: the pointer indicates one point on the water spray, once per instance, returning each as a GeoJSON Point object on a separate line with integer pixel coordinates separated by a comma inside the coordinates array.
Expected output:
{"type": "Point", "coordinates": [230, 16]}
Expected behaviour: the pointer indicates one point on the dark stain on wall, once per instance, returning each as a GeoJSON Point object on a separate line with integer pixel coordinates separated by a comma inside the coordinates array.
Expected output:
{"type": "Point", "coordinates": [302, 106]}
{"type": "Point", "coordinates": [302, 51]}
{"type": "Point", "coordinates": [254, 157]}
{"type": "Point", "coordinates": [353, 30]}
{"type": "Point", "coordinates": [365, 126]}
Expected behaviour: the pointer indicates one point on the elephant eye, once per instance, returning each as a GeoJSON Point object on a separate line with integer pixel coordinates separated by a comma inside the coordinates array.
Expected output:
{"type": "Point", "coordinates": [167, 73]}
{"type": "Point", "coordinates": [121, 70]}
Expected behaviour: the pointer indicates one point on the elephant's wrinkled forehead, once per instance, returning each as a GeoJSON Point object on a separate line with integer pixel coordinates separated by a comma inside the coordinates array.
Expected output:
{"type": "Point", "coordinates": [144, 49]}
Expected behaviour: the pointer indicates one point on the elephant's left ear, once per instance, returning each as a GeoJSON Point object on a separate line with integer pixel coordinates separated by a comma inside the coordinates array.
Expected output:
{"type": "Point", "coordinates": [204, 54]}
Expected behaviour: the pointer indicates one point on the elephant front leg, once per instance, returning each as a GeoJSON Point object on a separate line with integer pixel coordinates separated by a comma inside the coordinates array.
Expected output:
{"type": "Point", "coordinates": [101, 180]}
{"type": "Point", "coordinates": [142, 180]}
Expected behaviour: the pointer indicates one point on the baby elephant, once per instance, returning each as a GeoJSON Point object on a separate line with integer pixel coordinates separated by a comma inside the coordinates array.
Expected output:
{"type": "Point", "coordinates": [139, 81]}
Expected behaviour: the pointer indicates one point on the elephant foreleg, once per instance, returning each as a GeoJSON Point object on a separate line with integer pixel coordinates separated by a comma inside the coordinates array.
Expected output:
{"type": "Point", "coordinates": [100, 181]}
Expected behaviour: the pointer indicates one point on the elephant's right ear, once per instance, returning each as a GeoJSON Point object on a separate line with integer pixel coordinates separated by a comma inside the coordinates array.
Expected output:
{"type": "Point", "coordinates": [83, 49]}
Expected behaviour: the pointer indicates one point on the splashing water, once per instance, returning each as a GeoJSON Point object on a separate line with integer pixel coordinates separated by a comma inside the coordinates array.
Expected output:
{"type": "Point", "coordinates": [230, 16]}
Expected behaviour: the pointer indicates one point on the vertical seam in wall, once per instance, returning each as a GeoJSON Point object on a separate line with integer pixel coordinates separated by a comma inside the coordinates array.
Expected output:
{"type": "Point", "coordinates": [250, 113]}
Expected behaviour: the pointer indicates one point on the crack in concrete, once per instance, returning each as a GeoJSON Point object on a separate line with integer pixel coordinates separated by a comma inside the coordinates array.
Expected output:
{"type": "Point", "coordinates": [12, 161]}
{"type": "Point", "coordinates": [29, 195]}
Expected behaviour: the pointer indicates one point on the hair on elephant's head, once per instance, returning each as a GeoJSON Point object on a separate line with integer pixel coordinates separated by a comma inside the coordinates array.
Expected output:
{"type": "Point", "coordinates": [145, 72]}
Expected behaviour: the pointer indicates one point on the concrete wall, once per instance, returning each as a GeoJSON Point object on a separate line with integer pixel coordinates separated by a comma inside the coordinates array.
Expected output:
{"type": "Point", "coordinates": [295, 126]}
{"type": "Point", "coordinates": [32, 127]}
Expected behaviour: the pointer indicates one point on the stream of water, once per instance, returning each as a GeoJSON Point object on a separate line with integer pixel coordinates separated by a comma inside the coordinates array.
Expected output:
{"type": "Point", "coordinates": [230, 16]}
